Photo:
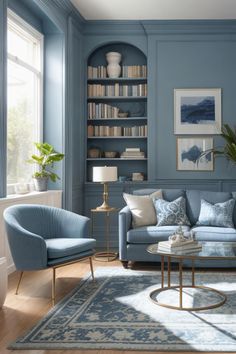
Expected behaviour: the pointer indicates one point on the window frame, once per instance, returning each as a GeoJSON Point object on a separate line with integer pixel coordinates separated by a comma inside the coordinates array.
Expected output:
{"type": "Point", "coordinates": [31, 32]}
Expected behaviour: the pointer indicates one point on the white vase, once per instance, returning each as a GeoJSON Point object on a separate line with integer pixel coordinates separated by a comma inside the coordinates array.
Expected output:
{"type": "Point", "coordinates": [3, 280]}
{"type": "Point", "coordinates": [113, 67]}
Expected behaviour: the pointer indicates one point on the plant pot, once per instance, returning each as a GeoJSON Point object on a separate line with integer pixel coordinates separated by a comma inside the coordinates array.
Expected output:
{"type": "Point", "coordinates": [41, 184]}
{"type": "Point", "coordinates": [3, 280]}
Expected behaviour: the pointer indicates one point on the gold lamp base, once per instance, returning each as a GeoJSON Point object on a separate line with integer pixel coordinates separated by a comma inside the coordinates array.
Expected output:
{"type": "Point", "coordinates": [105, 206]}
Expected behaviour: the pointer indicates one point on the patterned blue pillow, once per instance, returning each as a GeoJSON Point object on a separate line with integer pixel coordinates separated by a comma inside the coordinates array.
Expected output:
{"type": "Point", "coordinates": [219, 214]}
{"type": "Point", "coordinates": [171, 213]}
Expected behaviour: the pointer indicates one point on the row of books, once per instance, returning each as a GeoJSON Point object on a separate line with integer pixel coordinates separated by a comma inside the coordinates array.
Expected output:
{"type": "Point", "coordinates": [132, 71]}
{"type": "Point", "coordinates": [117, 90]}
{"type": "Point", "coordinates": [98, 72]}
{"type": "Point", "coordinates": [189, 246]}
{"type": "Point", "coordinates": [127, 71]}
{"type": "Point", "coordinates": [102, 110]}
{"type": "Point", "coordinates": [105, 130]}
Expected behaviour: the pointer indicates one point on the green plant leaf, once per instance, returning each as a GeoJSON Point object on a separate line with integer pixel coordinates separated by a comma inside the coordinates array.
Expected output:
{"type": "Point", "coordinates": [48, 156]}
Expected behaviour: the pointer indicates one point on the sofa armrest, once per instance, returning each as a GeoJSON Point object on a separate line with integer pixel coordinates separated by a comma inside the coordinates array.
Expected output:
{"type": "Point", "coordinates": [125, 218]}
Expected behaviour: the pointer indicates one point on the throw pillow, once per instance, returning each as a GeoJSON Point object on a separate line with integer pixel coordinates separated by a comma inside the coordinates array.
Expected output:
{"type": "Point", "coordinates": [142, 208]}
{"type": "Point", "coordinates": [219, 214]}
{"type": "Point", "coordinates": [171, 213]}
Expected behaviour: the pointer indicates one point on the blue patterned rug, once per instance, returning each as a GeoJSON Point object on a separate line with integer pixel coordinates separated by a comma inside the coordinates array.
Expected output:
{"type": "Point", "coordinates": [115, 312]}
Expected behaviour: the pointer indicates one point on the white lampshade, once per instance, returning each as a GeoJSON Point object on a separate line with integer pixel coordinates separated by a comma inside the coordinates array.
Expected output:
{"type": "Point", "coordinates": [104, 174]}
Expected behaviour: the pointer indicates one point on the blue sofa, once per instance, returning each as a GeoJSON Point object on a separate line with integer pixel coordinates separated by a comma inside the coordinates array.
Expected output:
{"type": "Point", "coordinates": [133, 242]}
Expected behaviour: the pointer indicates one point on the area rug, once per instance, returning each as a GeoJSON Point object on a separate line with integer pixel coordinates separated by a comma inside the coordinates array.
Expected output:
{"type": "Point", "coordinates": [115, 312]}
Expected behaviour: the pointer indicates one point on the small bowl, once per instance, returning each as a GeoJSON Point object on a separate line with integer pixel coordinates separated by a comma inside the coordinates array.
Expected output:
{"type": "Point", "coordinates": [110, 154]}
{"type": "Point", "coordinates": [94, 153]}
{"type": "Point", "coordinates": [123, 114]}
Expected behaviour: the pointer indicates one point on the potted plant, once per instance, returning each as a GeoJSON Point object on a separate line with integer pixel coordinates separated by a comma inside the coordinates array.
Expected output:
{"type": "Point", "coordinates": [229, 149]}
{"type": "Point", "coordinates": [46, 158]}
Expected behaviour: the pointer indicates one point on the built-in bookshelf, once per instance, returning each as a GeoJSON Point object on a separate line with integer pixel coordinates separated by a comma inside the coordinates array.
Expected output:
{"type": "Point", "coordinates": [117, 122]}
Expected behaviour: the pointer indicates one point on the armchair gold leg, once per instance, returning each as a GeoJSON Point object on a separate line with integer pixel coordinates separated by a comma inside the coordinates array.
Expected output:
{"type": "Point", "coordinates": [53, 285]}
{"type": "Point", "coordinates": [19, 281]}
{"type": "Point", "coordinates": [91, 267]}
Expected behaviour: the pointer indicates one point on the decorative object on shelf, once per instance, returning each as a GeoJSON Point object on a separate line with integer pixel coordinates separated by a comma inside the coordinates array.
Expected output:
{"type": "Point", "coordinates": [137, 176]}
{"type": "Point", "coordinates": [113, 67]}
{"type": "Point", "coordinates": [197, 111]}
{"type": "Point", "coordinates": [110, 154]}
{"type": "Point", "coordinates": [104, 174]}
{"type": "Point", "coordinates": [48, 156]}
{"type": "Point", "coordinates": [3, 280]}
{"type": "Point", "coordinates": [123, 114]}
{"type": "Point", "coordinates": [123, 178]}
{"type": "Point", "coordinates": [189, 154]}
{"type": "Point", "coordinates": [94, 153]}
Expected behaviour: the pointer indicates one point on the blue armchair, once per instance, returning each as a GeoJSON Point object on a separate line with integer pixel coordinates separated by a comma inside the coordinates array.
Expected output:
{"type": "Point", "coordinates": [42, 237]}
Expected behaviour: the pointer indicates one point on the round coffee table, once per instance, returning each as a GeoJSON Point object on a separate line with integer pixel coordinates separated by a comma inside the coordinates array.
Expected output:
{"type": "Point", "coordinates": [210, 251]}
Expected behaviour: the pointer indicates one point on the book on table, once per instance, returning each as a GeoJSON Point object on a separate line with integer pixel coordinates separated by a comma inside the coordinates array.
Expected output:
{"type": "Point", "coordinates": [179, 246]}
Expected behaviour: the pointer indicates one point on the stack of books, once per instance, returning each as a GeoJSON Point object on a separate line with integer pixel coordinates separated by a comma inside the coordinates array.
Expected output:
{"type": "Point", "coordinates": [132, 153]}
{"type": "Point", "coordinates": [188, 246]}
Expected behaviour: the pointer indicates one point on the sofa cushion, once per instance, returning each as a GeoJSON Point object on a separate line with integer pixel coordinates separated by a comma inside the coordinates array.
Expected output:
{"type": "Point", "coordinates": [152, 234]}
{"type": "Point", "coordinates": [219, 214]}
{"type": "Point", "coordinates": [142, 208]}
{"type": "Point", "coordinates": [193, 201]}
{"type": "Point", "coordinates": [213, 233]}
{"type": "Point", "coordinates": [167, 194]}
{"type": "Point", "coordinates": [171, 213]}
{"type": "Point", "coordinates": [62, 247]}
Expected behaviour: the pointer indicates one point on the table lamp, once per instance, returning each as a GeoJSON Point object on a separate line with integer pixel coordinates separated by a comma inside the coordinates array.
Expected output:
{"type": "Point", "coordinates": [104, 174]}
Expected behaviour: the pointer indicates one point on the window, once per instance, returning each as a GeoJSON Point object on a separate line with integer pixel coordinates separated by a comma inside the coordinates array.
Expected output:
{"type": "Point", "coordinates": [24, 98]}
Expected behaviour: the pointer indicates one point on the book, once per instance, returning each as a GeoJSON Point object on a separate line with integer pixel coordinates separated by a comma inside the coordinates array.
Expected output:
{"type": "Point", "coordinates": [132, 149]}
{"type": "Point", "coordinates": [194, 246]}
{"type": "Point", "coordinates": [171, 245]}
{"type": "Point", "coordinates": [178, 246]}
{"type": "Point", "coordinates": [181, 249]}
{"type": "Point", "coordinates": [181, 252]}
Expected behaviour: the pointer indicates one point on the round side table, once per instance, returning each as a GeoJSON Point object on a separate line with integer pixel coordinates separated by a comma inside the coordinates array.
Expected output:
{"type": "Point", "coordinates": [106, 256]}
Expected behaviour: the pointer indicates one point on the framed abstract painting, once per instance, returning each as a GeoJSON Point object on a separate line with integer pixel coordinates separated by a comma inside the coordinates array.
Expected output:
{"type": "Point", "coordinates": [189, 151]}
{"type": "Point", "coordinates": [197, 111]}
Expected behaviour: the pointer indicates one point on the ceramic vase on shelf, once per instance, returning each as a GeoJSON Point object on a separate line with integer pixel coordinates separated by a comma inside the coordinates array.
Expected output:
{"type": "Point", "coordinates": [113, 67]}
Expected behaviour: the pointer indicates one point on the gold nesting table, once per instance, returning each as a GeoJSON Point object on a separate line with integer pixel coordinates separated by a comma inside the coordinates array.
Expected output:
{"type": "Point", "coordinates": [107, 255]}
{"type": "Point", "coordinates": [210, 251]}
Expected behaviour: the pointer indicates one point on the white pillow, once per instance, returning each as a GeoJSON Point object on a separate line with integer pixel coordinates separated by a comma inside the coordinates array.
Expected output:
{"type": "Point", "coordinates": [142, 208]}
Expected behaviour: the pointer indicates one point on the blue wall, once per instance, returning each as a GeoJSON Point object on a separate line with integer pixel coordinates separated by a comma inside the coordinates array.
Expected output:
{"type": "Point", "coordinates": [180, 54]}
{"type": "Point", "coordinates": [191, 62]}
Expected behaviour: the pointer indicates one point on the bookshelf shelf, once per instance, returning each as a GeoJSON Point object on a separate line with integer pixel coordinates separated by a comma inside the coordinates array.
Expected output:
{"type": "Point", "coordinates": [117, 119]}
{"type": "Point", "coordinates": [116, 159]}
{"type": "Point", "coordinates": [117, 98]}
{"type": "Point", "coordinates": [119, 79]}
{"type": "Point", "coordinates": [117, 137]}
{"type": "Point", "coordinates": [117, 95]}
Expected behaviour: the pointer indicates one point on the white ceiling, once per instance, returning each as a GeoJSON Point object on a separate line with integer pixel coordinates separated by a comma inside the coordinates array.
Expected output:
{"type": "Point", "coordinates": [156, 9]}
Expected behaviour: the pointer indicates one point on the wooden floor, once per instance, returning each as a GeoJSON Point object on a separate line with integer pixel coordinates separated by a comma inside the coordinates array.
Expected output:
{"type": "Point", "coordinates": [21, 312]}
